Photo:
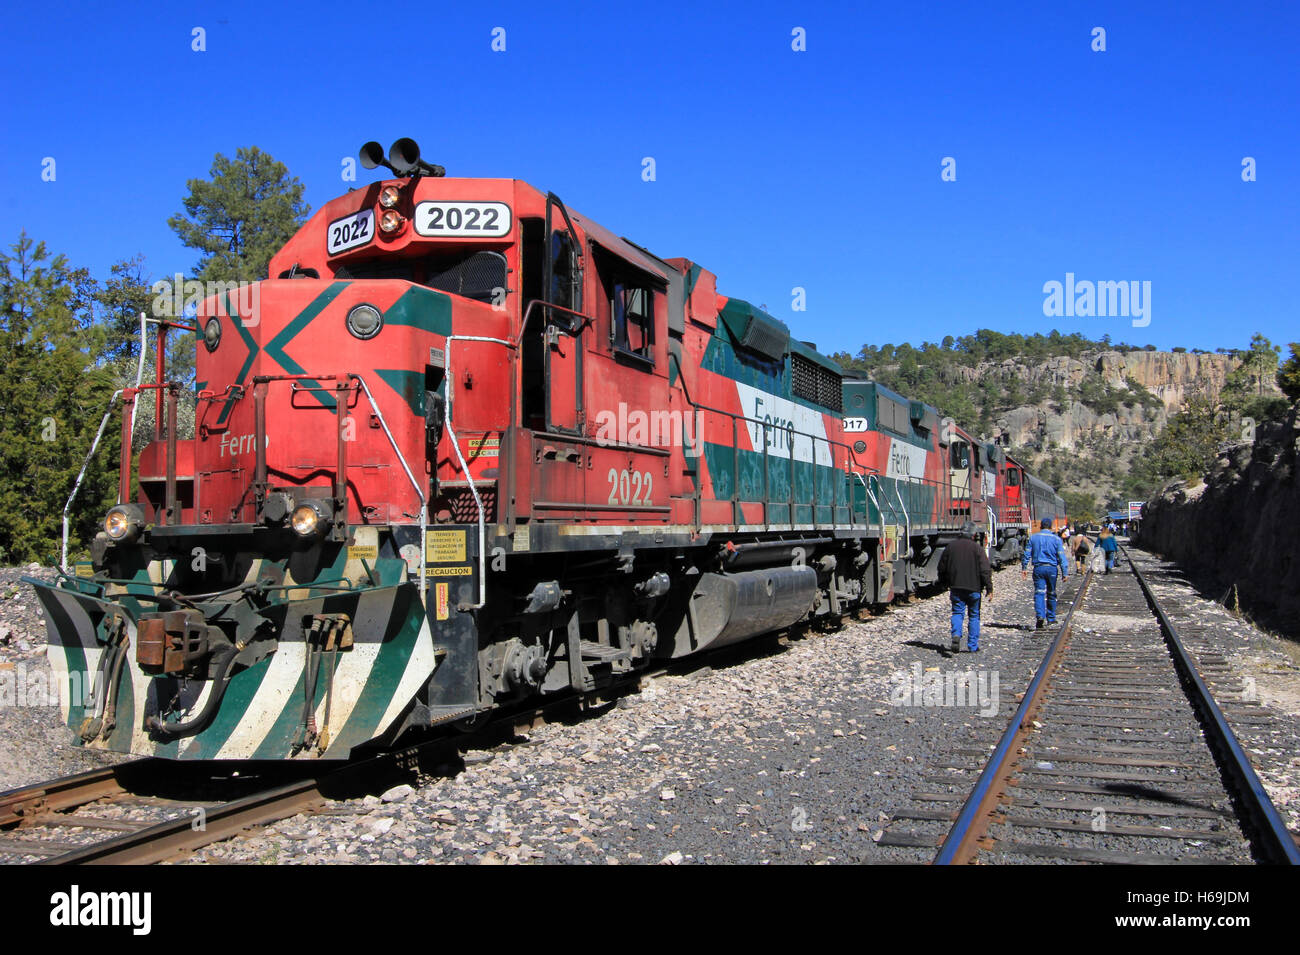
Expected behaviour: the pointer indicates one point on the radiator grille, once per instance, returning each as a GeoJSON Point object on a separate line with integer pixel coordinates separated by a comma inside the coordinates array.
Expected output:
{"type": "Point", "coordinates": [814, 383]}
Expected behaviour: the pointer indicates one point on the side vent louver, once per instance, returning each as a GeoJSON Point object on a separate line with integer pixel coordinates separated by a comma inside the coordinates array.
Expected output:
{"type": "Point", "coordinates": [814, 383]}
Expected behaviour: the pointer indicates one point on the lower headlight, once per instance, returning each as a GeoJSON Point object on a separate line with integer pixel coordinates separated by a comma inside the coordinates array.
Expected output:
{"type": "Point", "coordinates": [310, 518]}
{"type": "Point", "coordinates": [122, 523]}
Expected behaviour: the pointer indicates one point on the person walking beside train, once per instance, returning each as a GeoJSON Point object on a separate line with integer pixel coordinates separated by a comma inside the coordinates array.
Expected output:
{"type": "Point", "coordinates": [1080, 547]}
{"type": "Point", "coordinates": [1046, 553]}
{"type": "Point", "coordinates": [1109, 546]}
{"type": "Point", "coordinates": [965, 570]}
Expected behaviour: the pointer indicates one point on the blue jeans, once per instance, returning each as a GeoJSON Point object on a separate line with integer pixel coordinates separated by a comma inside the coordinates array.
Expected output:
{"type": "Point", "coordinates": [963, 601]}
{"type": "Point", "coordinates": [1045, 592]}
{"type": "Point", "coordinates": [1110, 560]}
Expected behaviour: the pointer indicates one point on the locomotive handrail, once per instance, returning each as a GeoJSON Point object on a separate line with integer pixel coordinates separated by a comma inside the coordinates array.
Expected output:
{"type": "Point", "coordinates": [879, 510]}
{"type": "Point", "coordinates": [424, 504]}
{"type": "Point", "coordinates": [460, 457]}
{"type": "Point", "coordinates": [82, 474]}
{"type": "Point", "coordinates": [907, 519]}
{"type": "Point", "coordinates": [124, 462]}
{"type": "Point", "coordinates": [523, 324]}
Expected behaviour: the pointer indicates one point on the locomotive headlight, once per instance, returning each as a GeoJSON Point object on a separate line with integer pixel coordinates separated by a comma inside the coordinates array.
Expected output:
{"type": "Point", "coordinates": [364, 321]}
{"type": "Point", "coordinates": [391, 221]}
{"type": "Point", "coordinates": [389, 196]}
{"type": "Point", "coordinates": [310, 518]}
{"type": "Point", "coordinates": [122, 523]}
{"type": "Point", "coordinates": [212, 334]}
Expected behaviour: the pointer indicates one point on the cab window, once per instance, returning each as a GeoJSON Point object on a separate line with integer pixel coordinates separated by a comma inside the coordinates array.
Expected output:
{"type": "Point", "coordinates": [633, 321]}
{"type": "Point", "coordinates": [628, 307]}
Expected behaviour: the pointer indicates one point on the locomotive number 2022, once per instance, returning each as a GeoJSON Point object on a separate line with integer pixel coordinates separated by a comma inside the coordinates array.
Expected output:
{"type": "Point", "coordinates": [462, 218]}
{"type": "Point", "coordinates": [630, 487]}
{"type": "Point", "coordinates": [351, 232]}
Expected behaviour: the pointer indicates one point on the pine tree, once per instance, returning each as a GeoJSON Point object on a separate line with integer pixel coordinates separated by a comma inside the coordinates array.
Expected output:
{"type": "Point", "coordinates": [53, 403]}
{"type": "Point", "coordinates": [1288, 376]}
{"type": "Point", "coordinates": [240, 217]}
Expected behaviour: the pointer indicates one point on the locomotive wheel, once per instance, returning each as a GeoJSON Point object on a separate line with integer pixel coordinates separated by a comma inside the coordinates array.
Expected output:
{"type": "Point", "coordinates": [470, 724]}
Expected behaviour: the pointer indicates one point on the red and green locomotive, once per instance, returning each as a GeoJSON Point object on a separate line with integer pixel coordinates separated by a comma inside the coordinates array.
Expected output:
{"type": "Point", "coordinates": [465, 446]}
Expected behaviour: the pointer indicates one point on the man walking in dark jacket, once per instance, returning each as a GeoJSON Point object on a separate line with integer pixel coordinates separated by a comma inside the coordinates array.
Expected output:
{"type": "Point", "coordinates": [964, 569]}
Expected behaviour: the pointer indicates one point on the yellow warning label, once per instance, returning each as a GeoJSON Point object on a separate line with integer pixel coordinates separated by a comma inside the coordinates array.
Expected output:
{"type": "Point", "coordinates": [466, 571]}
{"type": "Point", "coordinates": [363, 552]}
{"type": "Point", "coordinates": [440, 598]}
{"type": "Point", "coordinates": [85, 570]}
{"type": "Point", "coordinates": [445, 547]}
{"type": "Point", "coordinates": [484, 447]}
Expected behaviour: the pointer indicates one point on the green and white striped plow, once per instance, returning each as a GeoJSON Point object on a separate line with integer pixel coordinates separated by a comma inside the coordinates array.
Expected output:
{"type": "Point", "coordinates": [262, 713]}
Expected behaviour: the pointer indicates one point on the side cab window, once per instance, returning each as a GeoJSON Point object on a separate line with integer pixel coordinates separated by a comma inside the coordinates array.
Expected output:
{"type": "Point", "coordinates": [562, 287]}
{"type": "Point", "coordinates": [631, 306]}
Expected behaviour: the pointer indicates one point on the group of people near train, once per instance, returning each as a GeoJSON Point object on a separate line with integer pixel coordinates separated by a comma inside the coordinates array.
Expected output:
{"type": "Point", "coordinates": [965, 570]}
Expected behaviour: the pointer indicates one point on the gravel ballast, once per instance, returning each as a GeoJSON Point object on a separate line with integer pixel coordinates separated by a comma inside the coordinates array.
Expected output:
{"type": "Point", "coordinates": [793, 752]}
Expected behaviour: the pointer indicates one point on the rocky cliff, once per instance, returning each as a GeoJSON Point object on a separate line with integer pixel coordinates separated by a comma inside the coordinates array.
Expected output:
{"type": "Point", "coordinates": [1241, 527]}
{"type": "Point", "coordinates": [1080, 413]}
{"type": "Point", "coordinates": [1109, 396]}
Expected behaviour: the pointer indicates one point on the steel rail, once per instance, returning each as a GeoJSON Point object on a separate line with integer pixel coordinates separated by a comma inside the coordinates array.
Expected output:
{"type": "Point", "coordinates": [177, 837]}
{"type": "Point", "coordinates": [1272, 834]}
{"type": "Point", "coordinates": [65, 792]}
{"type": "Point", "coordinates": [960, 845]}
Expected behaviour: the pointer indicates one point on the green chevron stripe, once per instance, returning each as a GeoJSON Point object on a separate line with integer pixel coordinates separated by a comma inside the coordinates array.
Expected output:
{"type": "Point", "coordinates": [239, 694]}
{"type": "Point", "coordinates": [421, 308]}
{"type": "Point", "coordinates": [278, 741]}
{"type": "Point", "coordinates": [276, 346]}
{"type": "Point", "coordinates": [408, 384]}
{"type": "Point", "coordinates": [120, 739]}
{"type": "Point", "coordinates": [386, 675]}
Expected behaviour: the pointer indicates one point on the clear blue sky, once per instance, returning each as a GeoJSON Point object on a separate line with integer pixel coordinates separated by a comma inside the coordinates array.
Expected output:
{"type": "Point", "coordinates": [775, 168]}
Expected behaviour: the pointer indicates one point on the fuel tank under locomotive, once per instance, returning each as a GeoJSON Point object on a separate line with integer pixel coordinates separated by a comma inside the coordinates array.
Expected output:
{"type": "Point", "coordinates": [726, 608]}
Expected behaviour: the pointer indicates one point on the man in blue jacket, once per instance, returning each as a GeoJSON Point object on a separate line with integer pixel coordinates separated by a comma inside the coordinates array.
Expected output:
{"type": "Point", "coordinates": [1109, 545]}
{"type": "Point", "coordinates": [1047, 554]}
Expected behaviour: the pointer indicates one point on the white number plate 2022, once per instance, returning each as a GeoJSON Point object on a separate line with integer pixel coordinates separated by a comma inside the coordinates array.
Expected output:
{"type": "Point", "coordinates": [443, 218]}
{"type": "Point", "coordinates": [351, 232]}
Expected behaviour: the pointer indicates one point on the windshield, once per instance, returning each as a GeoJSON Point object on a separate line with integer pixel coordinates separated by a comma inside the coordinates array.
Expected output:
{"type": "Point", "coordinates": [478, 275]}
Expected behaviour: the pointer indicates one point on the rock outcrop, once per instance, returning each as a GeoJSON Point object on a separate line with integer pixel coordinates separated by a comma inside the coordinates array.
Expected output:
{"type": "Point", "coordinates": [1076, 425]}
{"type": "Point", "coordinates": [1172, 377]}
{"type": "Point", "coordinates": [1242, 525]}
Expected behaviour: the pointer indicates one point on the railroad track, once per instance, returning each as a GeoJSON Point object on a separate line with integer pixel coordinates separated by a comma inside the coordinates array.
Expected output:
{"type": "Point", "coordinates": [152, 810]}
{"type": "Point", "coordinates": [1118, 753]}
